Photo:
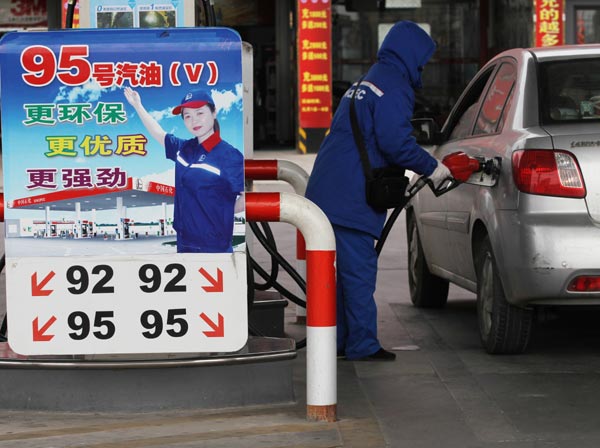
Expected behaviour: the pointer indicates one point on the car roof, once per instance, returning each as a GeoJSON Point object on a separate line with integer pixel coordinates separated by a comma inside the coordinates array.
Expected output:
{"type": "Point", "coordinates": [555, 53]}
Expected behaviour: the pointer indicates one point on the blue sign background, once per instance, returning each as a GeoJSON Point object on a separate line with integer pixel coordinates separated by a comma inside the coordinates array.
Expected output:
{"type": "Point", "coordinates": [25, 146]}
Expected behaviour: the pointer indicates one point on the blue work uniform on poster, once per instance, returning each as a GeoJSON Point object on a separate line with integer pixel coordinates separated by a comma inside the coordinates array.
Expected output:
{"type": "Point", "coordinates": [208, 178]}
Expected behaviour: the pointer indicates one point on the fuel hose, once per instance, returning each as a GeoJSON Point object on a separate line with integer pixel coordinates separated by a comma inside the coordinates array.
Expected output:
{"type": "Point", "coordinates": [267, 240]}
{"type": "Point", "coordinates": [70, 13]}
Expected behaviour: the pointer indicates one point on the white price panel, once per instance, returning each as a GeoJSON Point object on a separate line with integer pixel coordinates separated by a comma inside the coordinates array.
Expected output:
{"type": "Point", "coordinates": [149, 304]}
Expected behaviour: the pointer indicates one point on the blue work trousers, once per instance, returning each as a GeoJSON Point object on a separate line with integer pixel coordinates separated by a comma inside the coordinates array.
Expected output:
{"type": "Point", "coordinates": [356, 280]}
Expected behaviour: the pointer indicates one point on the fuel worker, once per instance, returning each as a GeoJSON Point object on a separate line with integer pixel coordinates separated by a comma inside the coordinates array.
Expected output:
{"type": "Point", "coordinates": [384, 105]}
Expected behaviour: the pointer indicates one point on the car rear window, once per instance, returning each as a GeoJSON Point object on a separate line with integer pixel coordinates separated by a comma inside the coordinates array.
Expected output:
{"type": "Point", "coordinates": [570, 90]}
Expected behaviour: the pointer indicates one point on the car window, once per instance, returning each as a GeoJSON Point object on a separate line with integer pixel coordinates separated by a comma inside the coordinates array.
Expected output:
{"type": "Point", "coordinates": [570, 90]}
{"type": "Point", "coordinates": [495, 100]}
{"type": "Point", "coordinates": [465, 123]}
{"type": "Point", "coordinates": [460, 124]}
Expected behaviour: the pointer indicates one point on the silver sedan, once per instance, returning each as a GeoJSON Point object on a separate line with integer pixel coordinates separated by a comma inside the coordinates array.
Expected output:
{"type": "Point", "coordinates": [531, 238]}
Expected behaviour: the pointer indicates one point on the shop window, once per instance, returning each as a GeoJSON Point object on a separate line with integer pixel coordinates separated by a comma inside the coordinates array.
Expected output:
{"type": "Point", "coordinates": [587, 25]}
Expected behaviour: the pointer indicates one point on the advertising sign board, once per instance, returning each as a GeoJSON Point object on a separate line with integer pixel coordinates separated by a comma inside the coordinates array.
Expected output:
{"type": "Point", "coordinates": [127, 147]}
{"type": "Point", "coordinates": [136, 13]}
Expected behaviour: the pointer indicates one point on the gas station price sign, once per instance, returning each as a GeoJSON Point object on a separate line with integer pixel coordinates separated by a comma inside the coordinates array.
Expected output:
{"type": "Point", "coordinates": [116, 239]}
{"type": "Point", "coordinates": [126, 304]}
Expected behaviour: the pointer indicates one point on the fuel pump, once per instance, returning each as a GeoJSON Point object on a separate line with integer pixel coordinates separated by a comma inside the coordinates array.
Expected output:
{"type": "Point", "coordinates": [126, 223]}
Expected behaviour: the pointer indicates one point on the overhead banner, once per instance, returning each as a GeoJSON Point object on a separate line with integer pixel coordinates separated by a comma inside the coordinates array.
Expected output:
{"type": "Point", "coordinates": [123, 181]}
{"type": "Point", "coordinates": [549, 23]}
{"type": "Point", "coordinates": [314, 71]}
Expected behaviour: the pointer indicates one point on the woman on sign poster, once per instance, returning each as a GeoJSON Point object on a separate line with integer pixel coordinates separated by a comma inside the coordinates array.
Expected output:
{"type": "Point", "coordinates": [209, 174]}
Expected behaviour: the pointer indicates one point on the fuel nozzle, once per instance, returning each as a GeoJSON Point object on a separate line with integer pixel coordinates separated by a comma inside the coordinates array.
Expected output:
{"type": "Point", "coordinates": [462, 166]}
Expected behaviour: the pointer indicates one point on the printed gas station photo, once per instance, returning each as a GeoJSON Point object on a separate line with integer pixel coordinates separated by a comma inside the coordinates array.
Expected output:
{"type": "Point", "coordinates": [114, 19]}
{"type": "Point", "coordinates": [157, 19]}
{"type": "Point", "coordinates": [122, 162]}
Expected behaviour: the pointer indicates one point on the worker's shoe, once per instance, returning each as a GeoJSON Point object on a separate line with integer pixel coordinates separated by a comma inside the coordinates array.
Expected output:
{"type": "Point", "coordinates": [379, 355]}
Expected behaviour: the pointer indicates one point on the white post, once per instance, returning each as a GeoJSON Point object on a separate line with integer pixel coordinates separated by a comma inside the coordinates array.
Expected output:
{"type": "Point", "coordinates": [78, 220]}
{"type": "Point", "coordinates": [120, 218]}
{"type": "Point", "coordinates": [47, 222]}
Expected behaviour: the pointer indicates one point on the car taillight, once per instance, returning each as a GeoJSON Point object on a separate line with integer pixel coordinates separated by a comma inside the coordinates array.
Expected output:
{"type": "Point", "coordinates": [547, 172]}
{"type": "Point", "coordinates": [585, 283]}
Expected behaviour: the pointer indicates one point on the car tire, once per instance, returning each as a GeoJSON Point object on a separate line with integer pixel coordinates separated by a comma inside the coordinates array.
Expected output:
{"type": "Point", "coordinates": [426, 289]}
{"type": "Point", "coordinates": [503, 327]}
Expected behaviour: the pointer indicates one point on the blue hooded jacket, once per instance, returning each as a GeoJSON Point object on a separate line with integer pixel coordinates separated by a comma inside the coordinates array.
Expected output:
{"type": "Point", "coordinates": [384, 106]}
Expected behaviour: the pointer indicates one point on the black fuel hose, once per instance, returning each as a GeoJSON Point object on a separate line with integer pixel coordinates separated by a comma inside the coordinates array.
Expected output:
{"type": "Point", "coordinates": [269, 244]}
{"type": "Point", "coordinates": [267, 240]}
{"type": "Point", "coordinates": [388, 227]}
{"type": "Point", "coordinates": [410, 192]}
{"type": "Point", "coordinates": [210, 19]}
{"type": "Point", "coordinates": [70, 13]}
{"type": "Point", "coordinates": [3, 326]}
{"type": "Point", "coordinates": [271, 278]}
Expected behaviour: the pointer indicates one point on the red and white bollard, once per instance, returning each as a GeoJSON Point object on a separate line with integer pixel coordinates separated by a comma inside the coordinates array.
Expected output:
{"type": "Point", "coordinates": [293, 174]}
{"type": "Point", "coordinates": [277, 170]}
{"type": "Point", "coordinates": [321, 362]}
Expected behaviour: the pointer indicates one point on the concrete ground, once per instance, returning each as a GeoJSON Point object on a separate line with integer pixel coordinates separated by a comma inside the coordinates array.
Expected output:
{"type": "Point", "coordinates": [442, 390]}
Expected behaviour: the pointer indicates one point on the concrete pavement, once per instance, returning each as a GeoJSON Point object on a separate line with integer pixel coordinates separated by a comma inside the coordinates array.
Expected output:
{"type": "Point", "coordinates": [442, 390]}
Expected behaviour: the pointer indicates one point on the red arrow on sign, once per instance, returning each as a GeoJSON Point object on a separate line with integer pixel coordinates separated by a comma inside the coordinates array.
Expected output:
{"type": "Point", "coordinates": [218, 331]}
{"type": "Point", "coordinates": [216, 285]}
{"type": "Point", "coordinates": [37, 288]}
{"type": "Point", "coordinates": [38, 333]}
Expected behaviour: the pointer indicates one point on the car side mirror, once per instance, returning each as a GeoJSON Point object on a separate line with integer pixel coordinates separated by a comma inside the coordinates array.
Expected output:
{"type": "Point", "coordinates": [426, 131]}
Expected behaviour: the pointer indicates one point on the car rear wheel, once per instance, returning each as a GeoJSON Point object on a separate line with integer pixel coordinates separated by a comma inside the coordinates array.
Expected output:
{"type": "Point", "coordinates": [504, 328]}
{"type": "Point", "coordinates": [426, 290]}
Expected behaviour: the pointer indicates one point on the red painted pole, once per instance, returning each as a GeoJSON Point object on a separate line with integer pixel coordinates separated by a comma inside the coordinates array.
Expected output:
{"type": "Point", "coordinates": [298, 178]}
{"type": "Point", "coordinates": [321, 362]}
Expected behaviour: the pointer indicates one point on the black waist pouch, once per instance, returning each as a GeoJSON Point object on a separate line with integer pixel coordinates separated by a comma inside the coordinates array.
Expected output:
{"type": "Point", "coordinates": [386, 188]}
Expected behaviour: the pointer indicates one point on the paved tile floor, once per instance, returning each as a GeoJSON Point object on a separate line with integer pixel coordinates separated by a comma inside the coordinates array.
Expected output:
{"type": "Point", "coordinates": [442, 391]}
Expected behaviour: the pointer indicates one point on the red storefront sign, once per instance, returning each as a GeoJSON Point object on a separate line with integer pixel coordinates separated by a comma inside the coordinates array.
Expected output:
{"type": "Point", "coordinates": [314, 63]}
{"type": "Point", "coordinates": [549, 23]}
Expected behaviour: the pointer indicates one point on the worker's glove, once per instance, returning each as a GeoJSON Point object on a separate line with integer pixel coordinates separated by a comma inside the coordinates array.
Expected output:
{"type": "Point", "coordinates": [439, 175]}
